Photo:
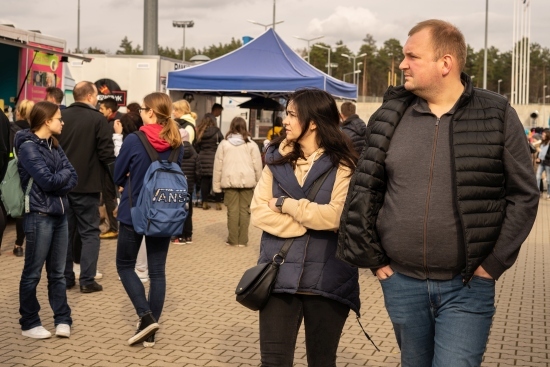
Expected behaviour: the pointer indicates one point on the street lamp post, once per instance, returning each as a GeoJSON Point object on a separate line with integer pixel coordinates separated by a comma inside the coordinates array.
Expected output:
{"type": "Point", "coordinates": [183, 24]}
{"type": "Point", "coordinates": [308, 41]}
{"type": "Point", "coordinates": [265, 25]}
{"type": "Point", "coordinates": [354, 73]}
{"type": "Point", "coordinates": [328, 49]}
{"type": "Point", "coordinates": [354, 58]}
{"type": "Point", "coordinates": [498, 90]}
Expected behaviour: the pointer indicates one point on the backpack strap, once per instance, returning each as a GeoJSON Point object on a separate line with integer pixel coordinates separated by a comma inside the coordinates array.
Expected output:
{"type": "Point", "coordinates": [148, 147]}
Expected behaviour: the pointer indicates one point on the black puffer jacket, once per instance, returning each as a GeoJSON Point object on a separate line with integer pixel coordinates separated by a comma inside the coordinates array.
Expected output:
{"type": "Point", "coordinates": [190, 165]}
{"type": "Point", "coordinates": [206, 147]}
{"type": "Point", "coordinates": [479, 183]}
{"type": "Point", "coordinates": [356, 129]}
{"type": "Point", "coordinates": [53, 175]}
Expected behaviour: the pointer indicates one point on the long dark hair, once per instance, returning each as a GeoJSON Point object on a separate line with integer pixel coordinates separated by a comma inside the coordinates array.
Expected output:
{"type": "Point", "coordinates": [40, 113]}
{"type": "Point", "coordinates": [319, 106]}
{"type": "Point", "coordinates": [207, 121]}
{"type": "Point", "coordinates": [238, 126]}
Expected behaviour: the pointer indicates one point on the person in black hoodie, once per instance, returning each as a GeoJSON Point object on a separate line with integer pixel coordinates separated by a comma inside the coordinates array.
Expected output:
{"type": "Point", "coordinates": [353, 126]}
{"type": "Point", "coordinates": [88, 143]}
{"type": "Point", "coordinates": [191, 167]}
{"type": "Point", "coordinates": [22, 116]}
{"type": "Point", "coordinates": [208, 138]}
{"type": "Point", "coordinates": [4, 158]}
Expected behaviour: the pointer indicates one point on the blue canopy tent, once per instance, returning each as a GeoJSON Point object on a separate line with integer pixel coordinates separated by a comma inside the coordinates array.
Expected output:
{"type": "Point", "coordinates": [265, 67]}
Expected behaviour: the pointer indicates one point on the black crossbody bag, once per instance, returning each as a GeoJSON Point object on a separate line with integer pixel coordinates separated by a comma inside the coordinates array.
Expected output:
{"type": "Point", "coordinates": [255, 286]}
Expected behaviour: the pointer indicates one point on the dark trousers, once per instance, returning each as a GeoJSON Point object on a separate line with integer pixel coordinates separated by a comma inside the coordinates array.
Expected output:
{"type": "Point", "coordinates": [280, 322]}
{"type": "Point", "coordinates": [3, 220]}
{"type": "Point", "coordinates": [127, 250]}
{"type": "Point", "coordinates": [188, 224]}
{"type": "Point", "coordinates": [20, 232]}
{"type": "Point", "coordinates": [109, 199]}
{"type": "Point", "coordinates": [83, 216]}
{"type": "Point", "coordinates": [206, 188]}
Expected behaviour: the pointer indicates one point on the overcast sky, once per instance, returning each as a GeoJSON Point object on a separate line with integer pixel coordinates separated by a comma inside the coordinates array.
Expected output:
{"type": "Point", "coordinates": [105, 22]}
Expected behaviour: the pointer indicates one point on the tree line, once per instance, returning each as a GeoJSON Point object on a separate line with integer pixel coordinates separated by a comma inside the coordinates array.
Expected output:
{"type": "Point", "coordinates": [377, 66]}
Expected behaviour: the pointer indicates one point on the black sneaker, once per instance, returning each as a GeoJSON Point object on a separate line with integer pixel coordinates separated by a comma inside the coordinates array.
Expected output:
{"type": "Point", "coordinates": [147, 327]}
{"type": "Point", "coordinates": [18, 251]}
{"type": "Point", "coordinates": [150, 341]}
{"type": "Point", "coordinates": [94, 287]}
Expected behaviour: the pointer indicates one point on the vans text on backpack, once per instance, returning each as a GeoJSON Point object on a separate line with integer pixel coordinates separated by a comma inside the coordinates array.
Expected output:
{"type": "Point", "coordinates": [162, 204]}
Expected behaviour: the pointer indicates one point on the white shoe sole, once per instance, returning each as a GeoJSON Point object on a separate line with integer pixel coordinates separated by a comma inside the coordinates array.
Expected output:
{"type": "Point", "coordinates": [36, 336]}
{"type": "Point", "coordinates": [143, 334]}
{"type": "Point", "coordinates": [61, 334]}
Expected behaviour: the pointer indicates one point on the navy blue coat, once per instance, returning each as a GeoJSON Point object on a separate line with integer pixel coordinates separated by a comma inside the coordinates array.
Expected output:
{"type": "Point", "coordinates": [311, 265]}
{"type": "Point", "coordinates": [52, 173]}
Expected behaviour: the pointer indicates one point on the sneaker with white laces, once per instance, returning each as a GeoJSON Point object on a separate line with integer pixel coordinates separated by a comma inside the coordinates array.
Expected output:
{"type": "Point", "coordinates": [38, 332]}
{"type": "Point", "coordinates": [63, 330]}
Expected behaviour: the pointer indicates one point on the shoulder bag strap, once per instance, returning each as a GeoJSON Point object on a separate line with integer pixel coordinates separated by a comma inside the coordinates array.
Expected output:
{"type": "Point", "coordinates": [312, 194]}
{"type": "Point", "coordinates": [148, 147]}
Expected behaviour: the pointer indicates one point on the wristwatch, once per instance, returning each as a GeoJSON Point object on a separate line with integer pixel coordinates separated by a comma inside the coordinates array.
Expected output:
{"type": "Point", "coordinates": [279, 202]}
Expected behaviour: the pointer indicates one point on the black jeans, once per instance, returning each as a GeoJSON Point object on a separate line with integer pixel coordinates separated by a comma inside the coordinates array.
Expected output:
{"type": "Point", "coordinates": [280, 322]}
{"type": "Point", "coordinates": [20, 232]}
{"type": "Point", "coordinates": [206, 188]}
{"type": "Point", "coordinates": [109, 199]}
{"type": "Point", "coordinates": [188, 224]}
{"type": "Point", "coordinates": [83, 216]}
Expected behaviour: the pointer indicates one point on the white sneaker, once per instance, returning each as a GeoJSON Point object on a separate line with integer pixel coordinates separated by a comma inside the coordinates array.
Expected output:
{"type": "Point", "coordinates": [38, 332]}
{"type": "Point", "coordinates": [76, 269]}
{"type": "Point", "coordinates": [63, 330]}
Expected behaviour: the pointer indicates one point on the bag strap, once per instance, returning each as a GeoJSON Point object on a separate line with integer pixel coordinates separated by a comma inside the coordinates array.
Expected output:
{"type": "Point", "coordinates": [27, 198]}
{"type": "Point", "coordinates": [312, 194]}
{"type": "Point", "coordinates": [148, 147]}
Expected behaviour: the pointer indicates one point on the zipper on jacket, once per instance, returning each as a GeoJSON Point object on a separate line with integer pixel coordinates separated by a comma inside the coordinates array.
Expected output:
{"type": "Point", "coordinates": [62, 207]}
{"type": "Point", "coordinates": [303, 263]}
{"type": "Point", "coordinates": [427, 207]}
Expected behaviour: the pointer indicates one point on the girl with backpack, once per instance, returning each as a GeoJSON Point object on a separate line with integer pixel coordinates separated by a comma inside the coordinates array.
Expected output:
{"type": "Point", "coordinates": [44, 166]}
{"type": "Point", "coordinates": [237, 169]}
{"type": "Point", "coordinates": [131, 166]}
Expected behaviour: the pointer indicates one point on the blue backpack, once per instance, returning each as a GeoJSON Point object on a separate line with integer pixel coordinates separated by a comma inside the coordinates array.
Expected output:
{"type": "Point", "coordinates": [163, 202]}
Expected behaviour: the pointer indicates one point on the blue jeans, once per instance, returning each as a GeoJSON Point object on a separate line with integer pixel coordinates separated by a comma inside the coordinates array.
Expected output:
{"type": "Point", "coordinates": [440, 323]}
{"type": "Point", "coordinates": [47, 238]}
{"type": "Point", "coordinates": [541, 168]}
{"type": "Point", "coordinates": [83, 216]}
{"type": "Point", "coordinates": [126, 254]}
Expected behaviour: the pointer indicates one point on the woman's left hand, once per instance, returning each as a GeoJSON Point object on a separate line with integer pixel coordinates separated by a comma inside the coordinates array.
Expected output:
{"type": "Point", "coordinates": [272, 206]}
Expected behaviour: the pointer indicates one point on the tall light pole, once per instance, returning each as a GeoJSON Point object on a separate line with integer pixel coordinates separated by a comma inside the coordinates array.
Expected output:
{"type": "Point", "coordinates": [150, 27]}
{"type": "Point", "coordinates": [499, 81]}
{"type": "Point", "coordinates": [354, 58]}
{"type": "Point", "coordinates": [354, 73]}
{"type": "Point", "coordinates": [266, 25]}
{"type": "Point", "coordinates": [328, 49]}
{"type": "Point", "coordinates": [543, 95]}
{"type": "Point", "coordinates": [78, 29]}
{"type": "Point", "coordinates": [274, 1]}
{"type": "Point", "coordinates": [308, 41]}
{"type": "Point", "coordinates": [485, 57]}
{"type": "Point", "coordinates": [183, 24]}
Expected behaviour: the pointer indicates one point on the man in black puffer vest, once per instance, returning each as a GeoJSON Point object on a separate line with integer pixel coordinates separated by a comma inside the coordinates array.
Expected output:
{"type": "Point", "coordinates": [353, 126]}
{"type": "Point", "coordinates": [440, 203]}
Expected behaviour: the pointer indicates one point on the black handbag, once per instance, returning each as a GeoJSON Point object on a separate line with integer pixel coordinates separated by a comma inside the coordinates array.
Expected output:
{"type": "Point", "coordinates": [255, 286]}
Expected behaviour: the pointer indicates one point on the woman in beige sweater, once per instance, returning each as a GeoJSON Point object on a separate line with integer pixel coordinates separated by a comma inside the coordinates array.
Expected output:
{"type": "Point", "coordinates": [237, 169]}
{"type": "Point", "coordinates": [312, 285]}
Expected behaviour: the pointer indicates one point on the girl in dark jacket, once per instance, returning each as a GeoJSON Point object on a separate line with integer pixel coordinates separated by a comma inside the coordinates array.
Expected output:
{"type": "Point", "coordinates": [133, 161]}
{"type": "Point", "coordinates": [312, 285]}
{"type": "Point", "coordinates": [208, 138]}
{"type": "Point", "coordinates": [191, 167]}
{"type": "Point", "coordinates": [543, 159]}
{"type": "Point", "coordinates": [42, 160]}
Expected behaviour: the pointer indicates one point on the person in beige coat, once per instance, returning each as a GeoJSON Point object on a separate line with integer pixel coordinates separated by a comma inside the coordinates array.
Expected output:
{"type": "Point", "coordinates": [237, 170]}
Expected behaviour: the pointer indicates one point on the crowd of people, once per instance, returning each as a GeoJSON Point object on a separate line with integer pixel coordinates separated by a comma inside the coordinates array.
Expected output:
{"type": "Point", "coordinates": [435, 195]}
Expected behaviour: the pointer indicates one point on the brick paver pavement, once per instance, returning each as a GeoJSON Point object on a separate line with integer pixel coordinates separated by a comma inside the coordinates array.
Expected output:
{"type": "Point", "coordinates": [202, 325]}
